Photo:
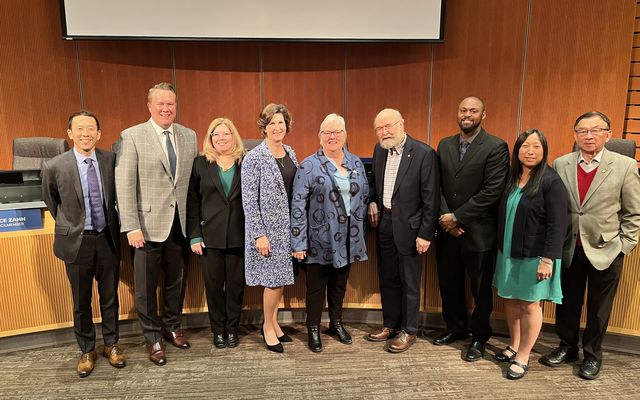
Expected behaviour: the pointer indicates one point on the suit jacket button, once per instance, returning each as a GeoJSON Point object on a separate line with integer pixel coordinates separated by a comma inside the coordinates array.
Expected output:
{"type": "Point", "coordinates": [171, 206]}
{"type": "Point", "coordinates": [581, 213]}
{"type": "Point", "coordinates": [454, 195]}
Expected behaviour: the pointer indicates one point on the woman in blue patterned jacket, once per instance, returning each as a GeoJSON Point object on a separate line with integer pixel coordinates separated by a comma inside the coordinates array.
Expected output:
{"type": "Point", "coordinates": [267, 178]}
{"type": "Point", "coordinates": [328, 210]}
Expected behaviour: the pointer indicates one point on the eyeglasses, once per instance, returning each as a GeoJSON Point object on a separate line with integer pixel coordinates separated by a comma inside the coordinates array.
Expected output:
{"type": "Point", "coordinates": [332, 133]}
{"type": "Point", "coordinates": [594, 131]}
{"type": "Point", "coordinates": [380, 129]}
{"type": "Point", "coordinates": [220, 134]}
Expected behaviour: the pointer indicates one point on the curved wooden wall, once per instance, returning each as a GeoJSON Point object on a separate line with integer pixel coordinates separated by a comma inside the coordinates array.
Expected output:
{"type": "Point", "coordinates": [35, 294]}
{"type": "Point", "coordinates": [532, 67]}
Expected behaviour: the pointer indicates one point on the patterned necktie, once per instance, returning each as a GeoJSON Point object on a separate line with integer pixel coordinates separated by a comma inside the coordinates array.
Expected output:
{"type": "Point", "coordinates": [170, 153]}
{"type": "Point", "coordinates": [464, 145]}
{"type": "Point", "coordinates": [95, 200]}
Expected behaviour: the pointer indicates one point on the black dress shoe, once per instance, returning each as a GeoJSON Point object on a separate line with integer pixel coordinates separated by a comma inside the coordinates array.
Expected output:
{"type": "Point", "coordinates": [559, 356]}
{"type": "Point", "coordinates": [590, 369]}
{"type": "Point", "coordinates": [232, 339]}
{"type": "Point", "coordinates": [276, 348]}
{"type": "Point", "coordinates": [513, 375]}
{"type": "Point", "coordinates": [315, 344]}
{"type": "Point", "coordinates": [218, 340]}
{"type": "Point", "coordinates": [285, 338]}
{"type": "Point", "coordinates": [475, 351]}
{"type": "Point", "coordinates": [448, 337]}
{"type": "Point", "coordinates": [336, 328]}
{"type": "Point", "coordinates": [502, 357]}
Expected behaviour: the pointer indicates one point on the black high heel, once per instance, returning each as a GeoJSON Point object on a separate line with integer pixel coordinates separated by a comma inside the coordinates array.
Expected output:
{"type": "Point", "coordinates": [285, 338]}
{"type": "Point", "coordinates": [276, 348]}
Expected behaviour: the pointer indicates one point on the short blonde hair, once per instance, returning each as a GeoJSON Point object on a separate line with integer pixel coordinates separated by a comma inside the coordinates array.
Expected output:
{"type": "Point", "coordinates": [162, 86]}
{"type": "Point", "coordinates": [210, 153]}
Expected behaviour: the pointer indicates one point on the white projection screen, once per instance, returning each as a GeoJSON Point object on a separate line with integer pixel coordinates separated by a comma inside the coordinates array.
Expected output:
{"type": "Point", "coordinates": [286, 20]}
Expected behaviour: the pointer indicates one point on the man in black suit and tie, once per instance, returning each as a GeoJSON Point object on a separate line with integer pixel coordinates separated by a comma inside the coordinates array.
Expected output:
{"type": "Point", "coordinates": [473, 167]}
{"type": "Point", "coordinates": [79, 190]}
{"type": "Point", "coordinates": [405, 208]}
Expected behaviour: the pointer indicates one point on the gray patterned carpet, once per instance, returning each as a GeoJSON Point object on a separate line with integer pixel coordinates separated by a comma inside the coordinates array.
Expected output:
{"type": "Point", "coordinates": [359, 371]}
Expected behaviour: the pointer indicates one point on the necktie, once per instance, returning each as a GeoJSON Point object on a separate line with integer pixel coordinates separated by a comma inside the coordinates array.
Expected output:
{"type": "Point", "coordinates": [170, 153]}
{"type": "Point", "coordinates": [464, 145]}
{"type": "Point", "coordinates": [95, 199]}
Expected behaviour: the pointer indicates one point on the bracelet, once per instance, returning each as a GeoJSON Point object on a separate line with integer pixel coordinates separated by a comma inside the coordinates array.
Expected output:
{"type": "Point", "coordinates": [545, 262]}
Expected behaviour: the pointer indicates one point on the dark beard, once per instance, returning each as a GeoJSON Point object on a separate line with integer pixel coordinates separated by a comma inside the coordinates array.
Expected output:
{"type": "Point", "coordinates": [470, 128]}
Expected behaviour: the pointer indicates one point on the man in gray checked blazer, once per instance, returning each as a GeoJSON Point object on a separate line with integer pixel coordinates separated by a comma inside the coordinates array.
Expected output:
{"type": "Point", "coordinates": [152, 179]}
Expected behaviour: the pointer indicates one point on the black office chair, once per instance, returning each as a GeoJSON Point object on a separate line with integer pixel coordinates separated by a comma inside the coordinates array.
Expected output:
{"type": "Point", "coordinates": [625, 147]}
{"type": "Point", "coordinates": [251, 143]}
{"type": "Point", "coordinates": [29, 153]}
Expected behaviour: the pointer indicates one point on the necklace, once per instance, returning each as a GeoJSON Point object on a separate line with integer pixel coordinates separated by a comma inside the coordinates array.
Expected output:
{"type": "Point", "coordinates": [280, 161]}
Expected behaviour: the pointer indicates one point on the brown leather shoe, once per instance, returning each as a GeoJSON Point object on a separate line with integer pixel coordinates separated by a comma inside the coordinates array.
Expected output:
{"type": "Point", "coordinates": [115, 356]}
{"type": "Point", "coordinates": [402, 342]}
{"type": "Point", "coordinates": [381, 334]}
{"type": "Point", "coordinates": [86, 363]}
{"type": "Point", "coordinates": [177, 338]}
{"type": "Point", "coordinates": [156, 353]}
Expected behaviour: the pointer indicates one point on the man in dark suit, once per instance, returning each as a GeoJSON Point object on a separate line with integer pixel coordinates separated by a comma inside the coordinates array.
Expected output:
{"type": "Point", "coordinates": [152, 178]}
{"type": "Point", "coordinates": [78, 188]}
{"type": "Point", "coordinates": [473, 167]}
{"type": "Point", "coordinates": [604, 205]}
{"type": "Point", "coordinates": [405, 208]}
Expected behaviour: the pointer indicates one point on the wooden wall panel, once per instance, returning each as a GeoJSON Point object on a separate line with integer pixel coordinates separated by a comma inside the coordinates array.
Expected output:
{"type": "Point", "coordinates": [309, 79]}
{"type": "Point", "coordinates": [386, 76]}
{"type": "Point", "coordinates": [38, 82]}
{"type": "Point", "coordinates": [482, 56]}
{"type": "Point", "coordinates": [116, 77]}
{"type": "Point", "coordinates": [219, 80]}
{"type": "Point", "coordinates": [573, 68]}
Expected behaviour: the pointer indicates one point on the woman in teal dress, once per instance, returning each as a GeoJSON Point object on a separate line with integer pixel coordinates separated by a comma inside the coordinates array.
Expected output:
{"type": "Point", "coordinates": [532, 226]}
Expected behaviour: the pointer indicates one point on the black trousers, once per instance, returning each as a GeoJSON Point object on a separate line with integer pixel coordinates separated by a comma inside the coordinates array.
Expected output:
{"type": "Point", "coordinates": [149, 262]}
{"type": "Point", "coordinates": [96, 259]}
{"type": "Point", "coordinates": [223, 274]}
{"type": "Point", "coordinates": [453, 266]}
{"type": "Point", "coordinates": [325, 278]}
{"type": "Point", "coordinates": [400, 279]}
{"type": "Point", "coordinates": [601, 290]}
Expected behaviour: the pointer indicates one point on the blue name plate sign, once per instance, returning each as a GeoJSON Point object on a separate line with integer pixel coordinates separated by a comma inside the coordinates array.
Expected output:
{"type": "Point", "coordinates": [20, 220]}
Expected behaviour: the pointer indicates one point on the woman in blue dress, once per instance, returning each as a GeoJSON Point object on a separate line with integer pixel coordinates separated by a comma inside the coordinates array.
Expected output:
{"type": "Point", "coordinates": [532, 226]}
{"type": "Point", "coordinates": [267, 181]}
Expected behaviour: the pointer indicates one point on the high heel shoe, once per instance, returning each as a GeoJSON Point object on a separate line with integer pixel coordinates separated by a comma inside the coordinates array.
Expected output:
{"type": "Point", "coordinates": [285, 338]}
{"type": "Point", "coordinates": [276, 348]}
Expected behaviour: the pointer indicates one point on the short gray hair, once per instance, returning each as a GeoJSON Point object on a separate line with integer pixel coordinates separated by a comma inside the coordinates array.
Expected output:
{"type": "Point", "coordinates": [333, 117]}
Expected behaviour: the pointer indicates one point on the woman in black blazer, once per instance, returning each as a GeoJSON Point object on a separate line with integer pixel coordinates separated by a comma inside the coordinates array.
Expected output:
{"type": "Point", "coordinates": [215, 224]}
{"type": "Point", "coordinates": [532, 226]}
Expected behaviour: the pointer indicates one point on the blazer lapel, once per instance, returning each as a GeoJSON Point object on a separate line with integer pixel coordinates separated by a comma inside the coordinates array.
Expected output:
{"type": "Point", "coordinates": [473, 148]}
{"type": "Point", "coordinates": [571, 172]}
{"type": "Point", "coordinates": [215, 177]}
{"type": "Point", "coordinates": [75, 177]}
{"type": "Point", "coordinates": [235, 184]}
{"type": "Point", "coordinates": [603, 172]}
{"type": "Point", "coordinates": [407, 152]}
{"type": "Point", "coordinates": [154, 141]}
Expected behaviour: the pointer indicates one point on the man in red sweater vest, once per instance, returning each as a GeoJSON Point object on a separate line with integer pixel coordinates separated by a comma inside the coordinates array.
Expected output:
{"type": "Point", "coordinates": [604, 204]}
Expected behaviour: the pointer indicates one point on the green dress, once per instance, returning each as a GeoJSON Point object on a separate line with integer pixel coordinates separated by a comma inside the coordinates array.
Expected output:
{"type": "Point", "coordinates": [516, 278]}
